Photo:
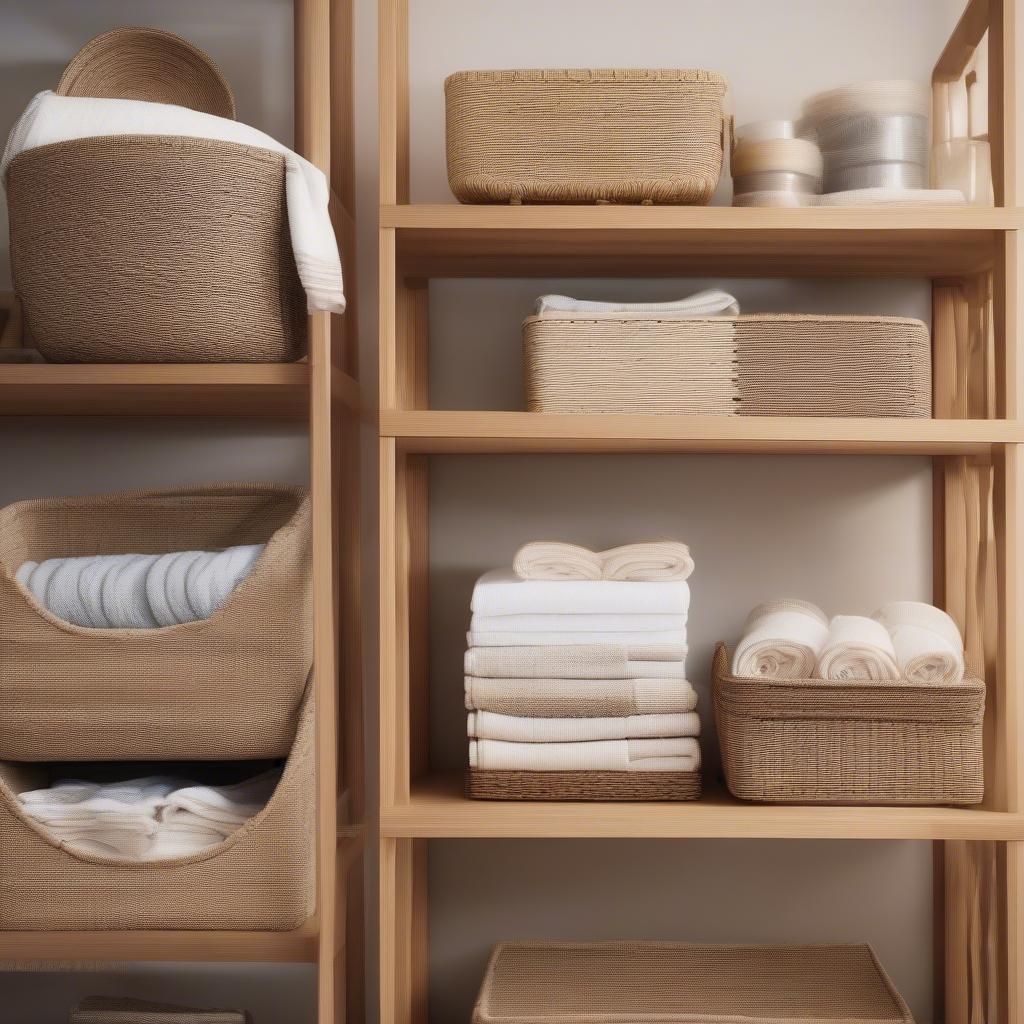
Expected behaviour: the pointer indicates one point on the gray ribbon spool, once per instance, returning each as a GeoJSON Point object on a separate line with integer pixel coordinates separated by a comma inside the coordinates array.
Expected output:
{"type": "Point", "coordinates": [775, 181]}
{"type": "Point", "coordinates": [864, 139]}
{"type": "Point", "coordinates": [877, 175]}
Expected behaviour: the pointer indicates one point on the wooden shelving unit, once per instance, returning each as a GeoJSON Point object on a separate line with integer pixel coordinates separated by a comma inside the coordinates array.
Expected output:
{"type": "Point", "coordinates": [975, 261]}
{"type": "Point", "coordinates": [322, 392]}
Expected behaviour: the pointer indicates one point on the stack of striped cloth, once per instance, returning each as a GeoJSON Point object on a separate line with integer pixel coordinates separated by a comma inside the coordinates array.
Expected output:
{"type": "Point", "coordinates": [575, 677]}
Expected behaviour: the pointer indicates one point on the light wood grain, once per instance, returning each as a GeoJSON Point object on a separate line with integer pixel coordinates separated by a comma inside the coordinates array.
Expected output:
{"type": "Point", "coordinates": [393, 77]}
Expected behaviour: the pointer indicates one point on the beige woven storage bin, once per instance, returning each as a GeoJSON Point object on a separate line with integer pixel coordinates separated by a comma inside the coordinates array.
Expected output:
{"type": "Point", "coordinates": [758, 365]}
{"type": "Point", "coordinates": [150, 248]}
{"type": "Point", "coordinates": [585, 136]}
{"type": "Point", "coordinates": [677, 983]}
{"type": "Point", "coordinates": [260, 878]}
{"type": "Point", "coordinates": [100, 1010]}
{"type": "Point", "coordinates": [823, 742]}
{"type": "Point", "coordinates": [227, 687]}
{"type": "Point", "coordinates": [487, 784]}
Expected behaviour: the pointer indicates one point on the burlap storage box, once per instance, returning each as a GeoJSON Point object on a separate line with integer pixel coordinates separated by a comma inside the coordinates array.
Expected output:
{"type": "Point", "coordinates": [771, 364]}
{"type": "Point", "coordinates": [150, 248]}
{"type": "Point", "coordinates": [815, 741]}
{"type": "Point", "coordinates": [100, 1010]}
{"type": "Point", "coordinates": [260, 878]}
{"type": "Point", "coordinates": [584, 136]}
{"type": "Point", "coordinates": [678, 983]}
{"type": "Point", "coordinates": [225, 687]}
{"type": "Point", "coordinates": [487, 784]}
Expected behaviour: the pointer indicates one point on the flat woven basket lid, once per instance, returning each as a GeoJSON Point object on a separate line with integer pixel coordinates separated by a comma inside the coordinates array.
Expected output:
{"type": "Point", "coordinates": [148, 64]}
{"type": "Point", "coordinates": [639, 981]}
{"type": "Point", "coordinates": [104, 1010]}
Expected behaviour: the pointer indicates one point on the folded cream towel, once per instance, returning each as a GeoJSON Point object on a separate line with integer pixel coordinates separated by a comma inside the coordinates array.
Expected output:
{"type": "Point", "coordinates": [928, 645]}
{"type": "Point", "coordinates": [682, 754]}
{"type": "Point", "coordinates": [590, 661]}
{"type": "Point", "coordinates": [507, 638]}
{"type": "Point", "coordinates": [519, 729]}
{"type": "Point", "coordinates": [50, 118]}
{"type": "Point", "coordinates": [781, 640]}
{"type": "Point", "coordinates": [579, 698]}
{"type": "Point", "coordinates": [651, 562]}
{"type": "Point", "coordinates": [710, 302]}
{"type": "Point", "coordinates": [572, 623]}
{"type": "Point", "coordinates": [502, 592]}
{"type": "Point", "coordinates": [857, 648]}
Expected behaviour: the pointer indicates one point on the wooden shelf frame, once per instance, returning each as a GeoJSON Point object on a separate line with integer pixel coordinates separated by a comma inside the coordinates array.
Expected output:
{"type": "Point", "coordinates": [974, 260]}
{"type": "Point", "coordinates": [323, 392]}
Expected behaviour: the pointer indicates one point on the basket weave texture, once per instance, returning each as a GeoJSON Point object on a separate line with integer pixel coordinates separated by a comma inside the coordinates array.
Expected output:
{"type": "Point", "coordinates": [260, 878]}
{"type": "Point", "coordinates": [676, 983]}
{"type": "Point", "coordinates": [227, 687]}
{"type": "Point", "coordinates": [755, 365]}
{"type": "Point", "coordinates": [101, 1010]}
{"type": "Point", "coordinates": [817, 741]}
{"type": "Point", "coordinates": [483, 784]}
{"type": "Point", "coordinates": [584, 136]}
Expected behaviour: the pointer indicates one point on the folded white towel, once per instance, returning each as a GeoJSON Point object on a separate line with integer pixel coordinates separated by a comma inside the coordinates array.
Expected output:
{"type": "Point", "coordinates": [649, 562]}
{"type": "Point", "coordinates": [642, 755]}
{"type": "Point", "coordinates": [674, 638]}
{"type": "Point", "coordinates": [857, 648]}
{"type": "Point", "coordinates": [711, 302]}
{"type": "Point", "coordinates": [222, 808]}
{"type": "Point", "coordinates": [569, 622]}
{"type": "Point", "coordinates": [589, 661]}
{"type": "Point", "coordinates": [502, 592]}
{"type": "Point", "coordinates": [781, 640]}
{"type": "Point", "coordinates": [50, 118]}
{"type": "Point", "coordinates": [579, 698]}
{"type": "Point", "coordinates": [928, 645]}
{"type": "Point", "coordinates": [520, 729]}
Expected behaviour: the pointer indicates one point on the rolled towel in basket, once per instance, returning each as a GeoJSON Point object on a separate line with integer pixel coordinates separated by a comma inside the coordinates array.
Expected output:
{"type": "Point", "coordinates": [653, 561]}
{"type": "Point", "coordinates": [50, 118]}
{"type": "Point", "coordinates": [585, 661]}
{"type": "Point", "coordinates": [781, 640]}
{"type": "Point", "coordinates": [857, 648]}
{"type": "Point", "coordinates": [711, 302]}
{"type": "Point", "coordinates": [521, 729]}
{"type": "Point", "coordinates": [928, 645]}
{"type": "Point", "coordinates": [579, 698]}
{"type": "Point", "coordinates": [646, 755]}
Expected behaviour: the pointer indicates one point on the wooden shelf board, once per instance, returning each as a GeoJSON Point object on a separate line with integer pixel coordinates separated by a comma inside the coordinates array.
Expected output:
{"type": "Point", "coordinates": [438, 810]}
{"type": "Point", "coordinates": [230, 390]}
{"type": "Point", "coordinates": [436, 431]}
{"type": "Point", "coordinates": [588, 241]}
{"type": "Point", "coordinates": [298, 946]}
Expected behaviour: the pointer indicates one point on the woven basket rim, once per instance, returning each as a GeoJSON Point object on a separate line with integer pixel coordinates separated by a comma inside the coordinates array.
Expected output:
{"type": "Point", "coordinates": [829, 318]}
{"type": "Point", "coordinates": [605, 76]}
{"type": "Point", "coordinates": [109, 44]}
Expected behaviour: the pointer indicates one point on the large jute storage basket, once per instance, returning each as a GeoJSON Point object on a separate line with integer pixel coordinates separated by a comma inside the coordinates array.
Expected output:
{"type": "Point", "coordinates": [585, 136]}
{"type": "Point", "coordinates": [226, 687]}
{"type": "Point", "coordinates": [260, 878]}
{"type": "Point", "coordinates": [101, 1010]}
{"type": "Point", "coordinates": [754, 365]}
{"type": "Point", "coordinates": [820, 741]}
{"type": "Point", "coordinates": [678, 983]}
{"type": "Point", "coordinates": [130, 249]}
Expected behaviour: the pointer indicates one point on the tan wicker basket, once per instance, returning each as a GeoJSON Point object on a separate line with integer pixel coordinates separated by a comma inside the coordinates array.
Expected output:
{"type": "Point", "coordinates": [759, 365]}
{"type": "Point", "coordinates": [677, 983]}
{"type": "Point", "coordinates": [260, 878]}
{"type": "Point", "coordinates": [131, 249]}
{"type": "Point", "coordinates": [485, 784]}
{"type": "Point", "coordinates": [226, 687]}
{"type": "Point", "coordinates": [823, 742]}
{"type": "Point", "coordinates": [101, 1010]}
{"type": "Point", "coordinates": [584, 136]}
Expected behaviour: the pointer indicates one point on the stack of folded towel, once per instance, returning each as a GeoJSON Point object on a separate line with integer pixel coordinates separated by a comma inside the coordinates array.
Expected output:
{"type": "Point", "coordinates": [138, 591]}
{"type": "Point", "coordinates": [147, 819]}
{"type": "Point", "coordinates": [790, 639]}
{"type": "Point", "coordinates": [577, 663]}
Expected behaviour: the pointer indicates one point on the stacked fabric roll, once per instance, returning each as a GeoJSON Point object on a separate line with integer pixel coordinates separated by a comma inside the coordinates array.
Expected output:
{"type": "Point", "coordinates": [909, 640]}
{"type": "Point", "coordinates": [575, 677]}
{"type": "Point", "coordinates": [772, 167]}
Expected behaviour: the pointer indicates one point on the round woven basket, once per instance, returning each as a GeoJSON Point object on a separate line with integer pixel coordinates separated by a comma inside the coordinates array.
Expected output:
{"type": "Point", "coordinates": [148, 64]}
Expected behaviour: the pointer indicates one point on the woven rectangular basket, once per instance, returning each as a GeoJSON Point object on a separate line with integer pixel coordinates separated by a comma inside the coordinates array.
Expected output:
{"type": "Point", "coordinates": [227, 687]}
{"type": "Point", "coordinates": [100, 1010]}
{"type": "Point", "coordinates": [261, 877]}
{"type": "Point", "coordinates": [678, 983]}
{"type": "Point", "coordinates": [585, 136]}
{"type": "Point", "coordinates": [820, 741]}
{"type": "Point", "coordinates": [758, 365]}
{"type": "Point", "coordinates": [486, 784]}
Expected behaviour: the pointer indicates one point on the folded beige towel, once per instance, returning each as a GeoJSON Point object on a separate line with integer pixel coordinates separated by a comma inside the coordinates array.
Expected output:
{"type": "Point", "coordinates": [486, 725]}
{"type": "Point", "coordinates": [781, 640]}
{"type": "Point", "coordinates": [654, 561]}
{"type": "Point", "coordinates": [927, 642]}
{"type": "Point", "coordinates": [584, 661]}
{"type": "Point", "coordinates": [857, 648]}
{"type": "Point", "coordinates": [579, 698]}
{"type": "Point", "coordinates": [682, 754]}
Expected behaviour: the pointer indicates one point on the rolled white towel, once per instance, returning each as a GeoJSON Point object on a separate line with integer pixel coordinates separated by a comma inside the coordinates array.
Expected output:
{"type": "Point", "coordinates": [651, 561]}
{"type": "Point", "coordinates": [857, 648]}
{"type": "Point", "coordinates": [124, 600]}
{"type": "Point", "coordinates": [642, 755]}
{"type": "Point", "coordinates": [928, 644]}
{"type": "Point", "coordinates": [554, 560]}
{"type": "Point", "coordinates": [781, 640]}
{"type": "Point", "coordinates": [521, 729]}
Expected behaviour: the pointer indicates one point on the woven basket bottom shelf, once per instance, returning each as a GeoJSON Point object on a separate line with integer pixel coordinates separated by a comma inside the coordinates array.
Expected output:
{"type": "Point", "coordinates": [482, 784]}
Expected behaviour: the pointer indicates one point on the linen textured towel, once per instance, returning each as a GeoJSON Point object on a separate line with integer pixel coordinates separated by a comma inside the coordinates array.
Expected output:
{"type": "Point", "coordinates": [569, 622]}
{"type": "Point", "coordinates": [589, 661]}
{"type": "Point", "coordinates": [857, 648]}
{"type": "Point", "coordinates": [507, 638]}
{"type": "Point", "coordinates": [649, 562]}
{"type": "Point", "coordinates": [519, 729]}
{"type": "Point", "coordinates": [781, 640]}
{"type": "Point", "coordinates": [643, 755]}
{"type": "Point", "coordinates": [711, 302]}
{"type": "Point", "coordinates": [50, 118]}
{"type": "Point", "coordinates": [579, 698]}
{"type": "Point", "coordinates": [928, 644]}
